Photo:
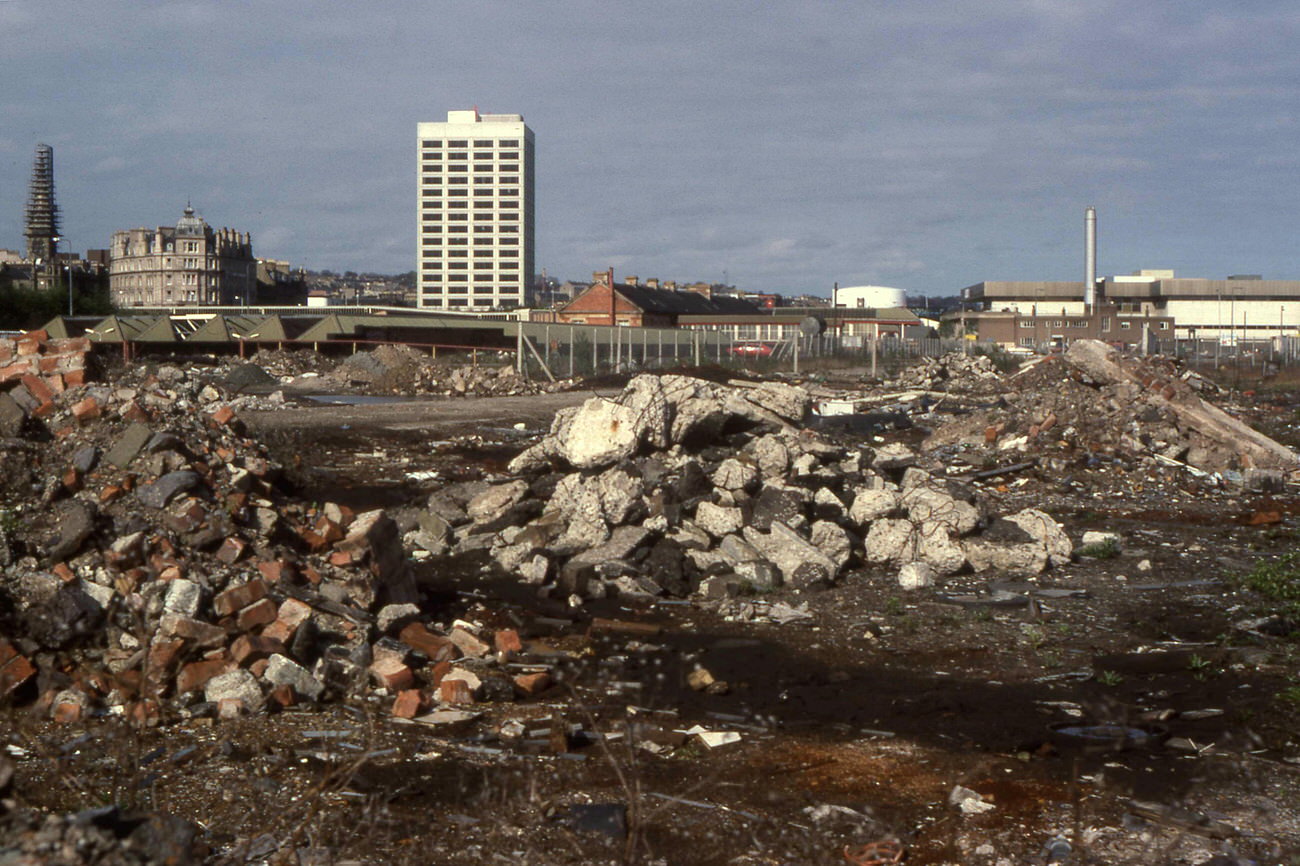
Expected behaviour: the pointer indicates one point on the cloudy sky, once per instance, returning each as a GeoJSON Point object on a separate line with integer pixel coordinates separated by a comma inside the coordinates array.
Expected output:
{"type": "Point", "coordinates": [779, 146]}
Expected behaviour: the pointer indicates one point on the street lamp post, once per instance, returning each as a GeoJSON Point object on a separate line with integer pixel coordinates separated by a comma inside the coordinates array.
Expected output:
{"type": "Point", "coordinates": [54, 262]}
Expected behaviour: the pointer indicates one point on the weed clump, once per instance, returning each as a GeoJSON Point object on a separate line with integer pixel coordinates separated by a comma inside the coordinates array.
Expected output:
{"type": "Point", "coordinates": [1278, 580]}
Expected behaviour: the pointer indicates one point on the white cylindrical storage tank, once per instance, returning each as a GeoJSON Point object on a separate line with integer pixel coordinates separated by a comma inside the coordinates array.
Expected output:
{"type": "Point", "coordinates": [874, 297]}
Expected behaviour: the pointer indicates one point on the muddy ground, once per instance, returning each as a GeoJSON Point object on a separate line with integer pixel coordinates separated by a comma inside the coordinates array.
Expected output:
{"type": "Point", "coordinates": [855, 723]}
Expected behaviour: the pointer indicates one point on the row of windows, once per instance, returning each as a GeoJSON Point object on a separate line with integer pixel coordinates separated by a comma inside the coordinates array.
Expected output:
{"type": "Point", "coordinates": [480, 216]}
{"type": "Point", "coordinates": [464, 254]}
{"type": "Point", "coordinates": [478, 142]}
{"type": "Point", "coordinates": [434, 279]}
{"type": "Point", "coordinates": [509, 161]}
{"type": "Point", "coordinates": [504, 155]}
{"type": "Point", "coordinates": [1083, 323]}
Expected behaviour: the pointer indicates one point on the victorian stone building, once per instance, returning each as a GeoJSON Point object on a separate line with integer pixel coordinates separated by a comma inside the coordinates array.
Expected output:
{"type": "Point", "coordinates": [190, 263]}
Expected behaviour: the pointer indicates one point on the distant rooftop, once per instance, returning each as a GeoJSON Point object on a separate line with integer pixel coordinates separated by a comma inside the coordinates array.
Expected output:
{"type": "Point", "coordinates": [473, 116]}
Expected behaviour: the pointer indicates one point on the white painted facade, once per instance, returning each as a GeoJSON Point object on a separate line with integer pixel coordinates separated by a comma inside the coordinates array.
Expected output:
{"type": "Point", "coordinates": [474, 221]}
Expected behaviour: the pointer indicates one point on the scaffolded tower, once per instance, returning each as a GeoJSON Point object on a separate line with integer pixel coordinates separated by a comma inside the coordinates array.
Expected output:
{"type": "Point", "coordinates": [42, 211]}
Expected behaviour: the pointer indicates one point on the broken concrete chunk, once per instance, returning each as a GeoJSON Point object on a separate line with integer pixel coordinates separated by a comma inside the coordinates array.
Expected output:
{"type": "Point", "coordinates": [735, 474]}
{"type": "Point", "coordinates": [872, 504]}
{"type": "Point", "coordinates": [160, 492]}
{"type": "Point", "coordinates": [891, 540]}
{"type": "Point", "coordinates": [832, 540]}
{"type": "Point", "coordinates": [496, 501]}
{"type": "Point", "coordinates": [128, 445]}
{"type": "Point", "coordinates": [237, 685]}
{"type": "Point", "coordinates": [1047, 532]}
{"type": "Point", "coordinates": [800, 562]}
{"type": "Point", "coordinates": [600, 434]}
{"type": "Point", "coordinates": [718, 521]}
{"type": "Point", "coordinates": [916, 575]}
{"type": "Point", "coordinates": [929, 505]}
{"type": "Point", "coordinates": [284, 671]}
{"type": "Point", "coordinates": [75, 523]}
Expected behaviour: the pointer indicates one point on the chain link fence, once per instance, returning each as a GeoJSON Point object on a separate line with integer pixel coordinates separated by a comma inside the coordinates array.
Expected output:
{"type": "Point", "coordinates": [564, 351]}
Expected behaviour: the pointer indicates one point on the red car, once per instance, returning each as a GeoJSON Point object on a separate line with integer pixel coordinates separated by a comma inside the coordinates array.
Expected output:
{"type": "Point", "coordinates": [752, 350]}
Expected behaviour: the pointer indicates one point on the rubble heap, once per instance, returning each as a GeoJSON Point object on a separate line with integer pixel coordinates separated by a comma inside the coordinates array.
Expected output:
{"type": "Point", "coordinates": [404, 370]}
{"type": "Point", "coordinates": [152, 562]}
{"type": "Point", "coordinates": [33, 369]}
{"type": "Point", "coordinates": [955, 371]}
{"type": "Point", "coordinates": [1095, 400]}
{"type": "Point", "coordinates": [681, 485]}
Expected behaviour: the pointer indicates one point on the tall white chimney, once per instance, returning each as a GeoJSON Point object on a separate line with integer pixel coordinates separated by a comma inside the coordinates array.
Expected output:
{"type": "Point", "coordinates": [1089, 257]}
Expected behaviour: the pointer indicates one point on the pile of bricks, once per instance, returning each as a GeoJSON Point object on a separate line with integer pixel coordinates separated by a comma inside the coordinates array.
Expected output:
{"type": "Point", "coordinates": [34, 369]}
{"type": "Point", "coordinates": [160, 568]}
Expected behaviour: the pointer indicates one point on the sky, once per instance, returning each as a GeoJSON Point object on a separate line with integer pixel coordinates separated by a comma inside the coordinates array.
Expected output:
{"type": "Point", "coordinates": [779, 147]}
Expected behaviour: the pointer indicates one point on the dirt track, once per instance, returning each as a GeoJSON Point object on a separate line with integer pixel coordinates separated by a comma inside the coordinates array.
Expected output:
{"type": "Point", "coordinates": [440, 417]}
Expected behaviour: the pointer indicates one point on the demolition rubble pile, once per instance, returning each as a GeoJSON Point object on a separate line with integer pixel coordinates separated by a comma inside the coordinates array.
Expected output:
{"type": "Point", "coordinates": [681, 485]}
{"type": "Point", "coordinates": [151, 562]}
{"type": "Point", "coordinates": [404, 370]}
{"type": "Point", "coordinates": [955, 371]}
{"type": "Point", "coordinates": [33, 370]}
{"type": "Point", "coordinates": [1095, 400]}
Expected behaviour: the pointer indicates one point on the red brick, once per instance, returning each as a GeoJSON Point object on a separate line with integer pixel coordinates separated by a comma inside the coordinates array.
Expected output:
{"type": "Point", "coordinates": [343, 558]}
{"type": "Point", "coordinates": [71, 479]}
{"type": "Point", "coordinates": [436, 647]}
{"type": "Point", "coordinates": [258, 613]}
{"type": "Point", "coordinates": [507, 641]}
{"type": "Point", "coordinates": [407, 703]}
{"type": "Point", "coordinates": [282, 696]}
{"type": "Point", "coordinates": [86, 410]}
{"type": "Point", "coordinates": [283, 632]}
{"type": "Point", "coordinates": [133, 411]}
{"type": "Point", "coordinates": [276, 571]}
{"type": "Point", "coordinates": [532, 684]}
{"type": "Point", "coordinates": [110, 493]}
{"type": "Point", "coordinates": [144, 713]}
{"type": "Point", "coordinates": [440, 670]}
{"type": "Point", "coordinates": [171, 572]}
{"type": "Point", "coordinates": [294, 612]}
{"type": "Point", "coordinates": [15, 669]}
{"type": "Point", "coordinates": [67, 712]}
{"type": "Point", "coordinates": [223, 416]}
{"type": "Point", "coordinates": [392, 674]}
{"type": "Point", "coordinates": [232, 550]}
{"type": "Point", "coordinates": [238, 597]}
{"type": "Point", "coordinates": [195, 675]}
{"type": "Point", "coordinates": [258, 668]}
{"type": "Point", "coordinates": [39, 336]}
{"type": "Point", "coordinates": [248, 648]}
{"type": "Point", "coordinates": [16, 370]}
{"type": "Point", "coordinates": [38, 388]}
{"type": "Point", "coordinates": [74, 378]}
{"type": "Point", "coordinates": [29, 347]}
{"type": "Point", "coordinates": [163, 658]}
{"type": "Point", "coordinates": [64, 572]}
{"type": "Point", "coordinates": [455, 692]}
{"type": "Point", "coordinates": [468, 643]}
{"type": "Point", "coordinates": [201, 634]}
{"type": "Point", "coordinates": [6, 349]}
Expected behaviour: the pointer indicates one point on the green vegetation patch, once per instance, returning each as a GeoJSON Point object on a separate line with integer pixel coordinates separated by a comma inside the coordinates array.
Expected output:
{"type": "Point", "coordinates": [1277, 578]}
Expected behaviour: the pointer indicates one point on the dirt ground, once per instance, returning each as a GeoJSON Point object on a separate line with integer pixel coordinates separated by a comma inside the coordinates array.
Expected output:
{"type": "Point", "coordinates": [856, 723]}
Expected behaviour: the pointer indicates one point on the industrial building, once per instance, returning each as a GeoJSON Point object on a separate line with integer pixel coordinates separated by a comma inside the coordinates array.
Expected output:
{"type": "Point", "coordinates": [183, 265]}
{"type": "Point", "coordinates": [1155, 303]}
{"type": "Point", "coordinates": [1238, 308]}
{"type": "Point", "coordinates": [474, 229]}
